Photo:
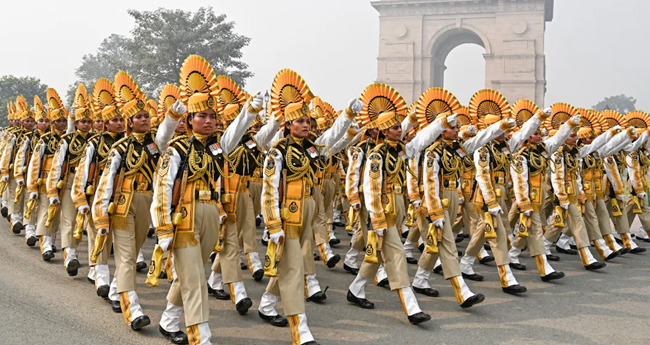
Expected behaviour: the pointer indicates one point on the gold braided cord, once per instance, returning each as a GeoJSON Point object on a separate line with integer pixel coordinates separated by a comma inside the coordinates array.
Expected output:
{"type": "Point", "coordinates": [298, 170]}
{"type": "Point", "coordinates": [199, 164]}
{"type": "Point", "coordinates": [131, 168]}
{"type": "Point", "coordinates": [537, 161]}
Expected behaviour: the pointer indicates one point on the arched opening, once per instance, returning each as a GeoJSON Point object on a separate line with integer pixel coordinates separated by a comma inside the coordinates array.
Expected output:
{"type": "Point", "coordinates": [458, 62]}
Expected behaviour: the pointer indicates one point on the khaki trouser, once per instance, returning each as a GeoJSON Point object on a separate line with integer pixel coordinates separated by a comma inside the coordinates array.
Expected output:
{"type": "Point", "coordinates": [255, 190]}
{"type": "Point", "coordinates": [500, 244]}
{"type": "Point", "coordinates": [33, 219]}
{"type": "Point", "coordinates": [535, 231]}
{"type": "Point", "coordinates": [68, 216]}
{"type": "Point", "coordinates": [591, 222]}
{"type": "Point", "coordinates": [43, 204]}
{"type": "Point", "coordinates": [391, 253]}
{"type": "Point", "coordinates": [127, 242]}
{"type": "Point", "coordinates": [361, 229]}
{"type": "Point", "coordinates": [227, 261]}
{"type": "Point", "coordinates": [320, 220]}
{"type": "Point", "coordinates": [468, 217]}
{"type": "Point", "coordinates": [246, 223]}
{"type": "Point", "coordinates": [189, 289]}
{"type": "Point", "coordinates": [575, 227]}
{"type": "Point", "coordinates": [102, 259]}
{"type": "Point", "coordinates": [604, 222]}
{"type": "Point", "coordinates": [621, 223]}
{"type": "Point", "coordinates": [12, 207]}
{"type": "Point", "coordinates": [644, 216]}
{"type": "Point", "coordinates": [447, 247]}
{"type": "Point", "coordinates": [290, 282]}
{"type": "Point", "coordinates": [329, 191]}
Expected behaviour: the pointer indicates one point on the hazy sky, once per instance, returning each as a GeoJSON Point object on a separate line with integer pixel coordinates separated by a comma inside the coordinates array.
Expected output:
{"type": "Point", "coordinates": [594, 48]}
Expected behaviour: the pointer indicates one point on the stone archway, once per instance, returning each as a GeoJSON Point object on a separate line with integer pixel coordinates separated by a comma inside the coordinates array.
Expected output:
{"type": "Point", "coordinates": [417, 36]}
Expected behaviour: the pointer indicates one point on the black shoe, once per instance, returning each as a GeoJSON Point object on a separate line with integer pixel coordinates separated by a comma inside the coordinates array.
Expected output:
{"type": "Point", "coordinates": [277, 320]}
{"type": "Point", "coordinates": [437, 269]}
{"type": "Point", "coordinates": [265, 243]}
{"type": "Point", "coordinates": [551, 257]}
{"type": "Point", "coordinates": [150, 234]}
{"type": "Point", "coordinates": [339, 224]}
{"type": "Point", "coordinates": [115, 305]}
{"type": "Point", "coordinates": [316, 257]}
{"type": "Point", "coordinates": [351, 270]}
{"type": "Point", "coordinates": [139, 266]}
{"type": "Point", "coordinates": [638, 250]}
{"type": "Point", "coordinates": [573, 246]}
{"type": "Point", "coordinates": [411, 261]}
{"type": "Point", "coordinates": [514, 289]}
{"type": "Point", "coordinates": [84, 232]}
{"type": "Point", "coordinates": [163, 274]}
{"type": "Point", "coordinates": [460, 254]}
{"type": "Point", "coordinates": [405, 234]}
{"type": "Point", "coordinates": [611, 256]}
{"type": "Point", "coordinates": [243, 306]}
{"type": "Point", "coordinates": [566, 251]}
{"type": "Point", "coordinates": [334, 242]}
{"type": "Point", "coordinates": [48, 255]}
{"type": "Point", "coordinates": [221, 295]}
{"type": "Point", "coordinates": [73, 267]}
{"type": "Point", "coordinates": [333, 261]}
{"type": "Point", "coordinates": [518, 267]}
{"type": "Point", "coordinates": [102, 291]}
{"type": "Point", "coordinates": [485, 260]}
{"type": "Point", "coordinates": [4, 212]}
{"type": "Point", "coordinates": [623, 251]}
{"type": "Point", "coordinates": [552, 276]}
{"type": "Point", "coordinates": [243, 267]}
{"type": "Point", "coordinates": [177, 337]}
{"type": "Point", "coordinates": [92, 281]}
{"type": "Point", "coordinates": [426, 291]}
{"type": "Point", "coordinates": [419, 318]}
{"type": "Point", "coordinates": [596, 266]}
{"type": "Point", "coordinates": [475, 277]}
{"type": "Point", "coordinates": [258, 275]}
{"type": "Point", "coordinates": [476, 299]}
{"type": "Point", "coordinates": [317, 297]}
{"type": "Point", "coordinates": [140, 322]}
{"type": "Point", "coordinates": [360, 302]}
{"type": "Point", "coordinates": [54, 250]}
{"type": "Point", "coordinates": [258, 222]}
{"type": "Point", "coordinates": [31, 241]}
{"type": "Point", "coordinates": [384, 283]}
{"type": "Point", "coordinates": [313, 342]}
{"type": "Point", "coordinates": [487, 247]}
{"type": "Point", "coordinates": [213, 256]}
{"type": "Point", "coordinates": [458, 239]}
{"type": "Point", "coordinates": [646, 240]}
{"type": "Point", "coordinates": [17, 228]}
{"type": "Point", "coordinates": [421, 248]}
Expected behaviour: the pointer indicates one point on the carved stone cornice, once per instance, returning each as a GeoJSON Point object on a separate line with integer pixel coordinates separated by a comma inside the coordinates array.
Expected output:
{"type": "Point", "coordinates": [401, 8]}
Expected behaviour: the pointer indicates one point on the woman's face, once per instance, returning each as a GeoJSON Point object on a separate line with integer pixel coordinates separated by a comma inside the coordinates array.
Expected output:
{"type": "Point", "coordinates": [535, 138]}
{"type": "Point", "coordinates": [43, 124]}
{"type": "Point", "coordinates": [98, 124]}
{"type": "Point", "coordinates": [300, 127]}
{"type": "Point", "coordinates": [140, 122]}
{"type": "Point", "coordinates": [116, 124]}
{"type": "Point", "coordinates": [83, 125]}
{"type": "Point", "coordinates": [61, 124]}
{"type": "Point", "coordinates": [180, 127]}
{"type": "Point", "coordinates": [450, 133]}
{"type": "Point", "coordinates": [394, 133]}
{"type": "Point", "coordinates": [204, 122]}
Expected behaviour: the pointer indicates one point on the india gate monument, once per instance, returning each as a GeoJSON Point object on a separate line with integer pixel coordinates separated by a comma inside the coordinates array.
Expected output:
{"type": "Point", "coordinates": [417, 35]}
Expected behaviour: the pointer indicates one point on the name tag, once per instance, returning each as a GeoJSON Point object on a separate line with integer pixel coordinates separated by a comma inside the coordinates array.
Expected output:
{"type": "Point", "coordinates": [506, 150]}
{"type": "Point", "coordinates": [153, 149]}
{"type": "Point", "coordinates": [545, 154]}
{"type": "Point", "coordinates": [461, 152]}
{"type": "Point", "coordinates": [250, 144]}
{"type": "Point", "coordinates": [313, 153]}
{"type": "Point", "coordinates": [215, 149]}
{"type": "Point", "coordinates": [402, 155]}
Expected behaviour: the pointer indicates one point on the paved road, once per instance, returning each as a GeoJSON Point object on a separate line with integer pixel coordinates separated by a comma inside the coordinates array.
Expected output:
{"type": "Point", "coordinates": [41, 304]}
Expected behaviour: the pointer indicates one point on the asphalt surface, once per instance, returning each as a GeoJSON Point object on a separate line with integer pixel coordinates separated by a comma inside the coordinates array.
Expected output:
{"type": "Point", "coordinates": [42, 304]}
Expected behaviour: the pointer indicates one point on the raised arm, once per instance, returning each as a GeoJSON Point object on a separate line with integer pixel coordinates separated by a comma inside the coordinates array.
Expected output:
{"type": "Point", "coordinates": [529, 127]}
{"type": "Point", "coordinates": [428, 134]}
{"type": "Point", "coordinates": [485, 136]}
{"type": "Point", "coordinates": [265, 135]}
{"type": "Point", "coordinates": [597, 143]}
{"type": "Point", "coordinates": [236, 130]}
{"type": "Point", "coordinates": [553, 143]}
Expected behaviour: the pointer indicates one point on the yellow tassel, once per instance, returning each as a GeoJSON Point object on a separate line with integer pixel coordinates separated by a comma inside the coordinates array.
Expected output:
{"type": "Point", "coordinates": [185, 240]}
{"type": "Point", "coordinates": [616, 209]}
{"type": "Point", "coordinates": [559, 217]}
{"type": "Point", "coordinates": [489, 232]}
{"type": "Point", "coordinates": [431, 245]}
{"type": "Point", "coordinates": [153, 276]}
{"type": "Point", "coordinates": [636, 208]}
{"type": "Point", "coordinates": [371, 248]}
{"type": "Point", "coordinates": [523, 225]}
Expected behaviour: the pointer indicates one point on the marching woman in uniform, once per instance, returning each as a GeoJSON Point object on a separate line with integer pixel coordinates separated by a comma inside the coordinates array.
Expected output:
{"type": "Point", "coordinates": [39, 168]}
{"type": "Point", "coordinates": [125, 189]}
{"type": "Point", "coordinates": [92, 163]}
{"type": "Point", "coordinates": [190, 221]}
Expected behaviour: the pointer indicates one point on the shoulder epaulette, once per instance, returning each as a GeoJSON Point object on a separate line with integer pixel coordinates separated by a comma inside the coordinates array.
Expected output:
{"type": "Point", "coordinates": [120, 145]}
{"type": "Point", "coordinates": [180, 144]}
{"type": "Point", "coordinates": [377, 148]}
{"type": "Point", "coordinates": [279, 142]}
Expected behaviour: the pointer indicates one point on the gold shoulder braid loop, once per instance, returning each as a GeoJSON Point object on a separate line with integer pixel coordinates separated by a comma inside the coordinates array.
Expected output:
{"type": "Point", "coordinates": [132, 168]}
{"type": "Point", "coordinates": [297, 163]}
{"type": "Point", "coordinates": [199, 164]}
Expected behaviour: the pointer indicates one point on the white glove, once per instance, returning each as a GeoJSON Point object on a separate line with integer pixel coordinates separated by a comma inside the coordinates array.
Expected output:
{"type": "Point", "coordinates": [20, 182]}
{"type": "Point", "coordinates": [528, 213]}
{"type": "Point", "coordinates": [380, 232]}
{"type": "Point", "coordinates": [33, 195]}
{"type": "Point", "coordinates": [617, 128]}
{"type": "Point", "coordinates": [355, 105]}
{"type": "Point", "coordinates": [471, 130]}
{"type": "Point", "coordinates": [548, 111]}
{"type": "Point", "coordinates": [576, 119]}
{"type": "Point", "coordinates": [439, 223]}
{"type": "Point", "coordinates": [496, 211]}
{"type": "Point", "coordinates": [55, 200]}
{"type": "Point", "coordinates": [5, 178]}
{"type": "Point", "coordinates": [356, 206]}
{"type": "Point", "coordinates": [416, 204]}
{"type": "Point", "coordinates": [179, 108]}
{"type": "Point", "coordinates": [223, 218]}
{"type": "Point", "coordinates": [565, 206]}
{"type": "Point", "coordinates": [511, 122]}
{"type": "Point", "coordinates": [102, 231]}
{"type": "Point", "coordinates": [642, 195]}
{"type": "Point", "coordinates": [621, 198]}
{"type": "Point", "coordinates": [451, 119]}
{"type": "Point", "coordinates": [275, 238]}
{"type": "Point", "coordinates": [461, 200]}
{"type": "Point", "coordinates": [165, 243]}
{"type": "Point", "coordinates": [84, 209]}
{"type": "Point", "coordinates": [257, 100]}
